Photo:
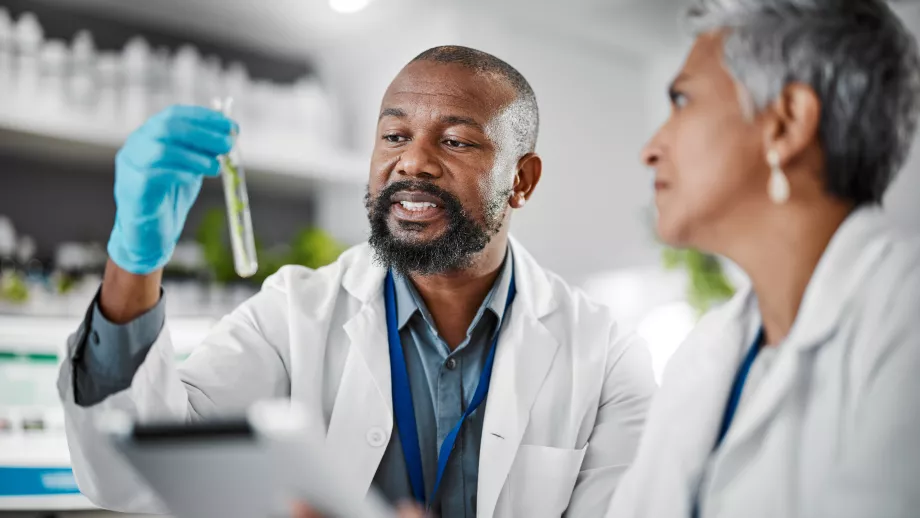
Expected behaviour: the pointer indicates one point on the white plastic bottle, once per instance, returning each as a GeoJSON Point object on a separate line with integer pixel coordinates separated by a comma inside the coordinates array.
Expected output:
{"type": "Point", "coordinates": [6, 52]}
{"type": "Point", "coordinates": [137, 62]}
{"type": "Point", "coordinates": [28, 37]}
{"type": "Point", "coordinates": [185, 71]}
{"type": "Point", "coordinates": [161, 79]}
{"type": "Point", "coordinates": [109, 88]}
{"type": "Point", "coordinates": [53, 74]}
{"type": "Point", "coordinates": [82, 92]}
{"type": "Point", "coordinates": [236, 84]}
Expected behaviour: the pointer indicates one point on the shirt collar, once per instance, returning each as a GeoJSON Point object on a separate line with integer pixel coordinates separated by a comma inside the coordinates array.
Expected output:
{"type": "Point", "coordinates": [409, 301]}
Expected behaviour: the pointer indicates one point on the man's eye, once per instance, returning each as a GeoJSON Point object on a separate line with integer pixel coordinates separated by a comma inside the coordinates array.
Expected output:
{"type": "Point", "coordinates": [456, 143]}
{"type": "Point", "coordinates": [395, 139]}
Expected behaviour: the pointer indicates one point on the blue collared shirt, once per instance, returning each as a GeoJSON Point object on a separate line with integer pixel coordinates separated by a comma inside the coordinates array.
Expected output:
{"type": "Point", "coordinates": [442, 384]}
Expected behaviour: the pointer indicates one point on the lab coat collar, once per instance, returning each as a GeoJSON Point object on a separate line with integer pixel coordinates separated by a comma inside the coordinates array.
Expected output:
{"type": "Point", "coordinates": [844, 265]}
{"type": "Point", "coordinates": [363, 279]}
{"type": "Point", "coordinates": [409, 301]}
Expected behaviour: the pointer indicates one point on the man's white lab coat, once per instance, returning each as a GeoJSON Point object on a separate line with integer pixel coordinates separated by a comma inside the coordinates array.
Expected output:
{"type": "Point", "coordinates": [565, 410]}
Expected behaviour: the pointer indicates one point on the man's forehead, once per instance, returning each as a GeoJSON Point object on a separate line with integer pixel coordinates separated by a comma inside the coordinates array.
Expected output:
{"type": "Point", "coordinates": [449, 85]}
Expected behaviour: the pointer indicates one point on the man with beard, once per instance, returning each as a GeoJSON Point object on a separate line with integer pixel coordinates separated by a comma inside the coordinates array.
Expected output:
{"type": "Point", "coordinates": [395, 347]}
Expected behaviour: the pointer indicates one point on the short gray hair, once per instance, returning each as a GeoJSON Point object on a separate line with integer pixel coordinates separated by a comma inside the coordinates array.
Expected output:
{"type": "Point", "coordinates": [858, 57]}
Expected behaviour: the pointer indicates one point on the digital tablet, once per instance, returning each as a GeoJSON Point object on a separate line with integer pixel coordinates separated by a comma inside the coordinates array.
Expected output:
{"type": "Point", "coordinates": [254, 466]}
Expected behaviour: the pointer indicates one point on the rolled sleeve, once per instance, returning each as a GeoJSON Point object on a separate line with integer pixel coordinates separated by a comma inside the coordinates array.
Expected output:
{"type": "Point", "coordinates": [111, 354]}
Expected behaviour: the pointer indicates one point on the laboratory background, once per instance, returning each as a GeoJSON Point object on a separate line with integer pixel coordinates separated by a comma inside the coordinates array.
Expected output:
{"type": "Point", "coordinates": [307, 76]}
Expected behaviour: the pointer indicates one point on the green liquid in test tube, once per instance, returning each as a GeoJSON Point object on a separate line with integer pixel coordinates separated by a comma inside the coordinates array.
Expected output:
{"type": "Point", "coordinates": [237, 198]}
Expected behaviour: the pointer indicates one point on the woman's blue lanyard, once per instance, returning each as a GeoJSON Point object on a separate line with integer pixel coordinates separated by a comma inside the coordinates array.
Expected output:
{"type": "Point", "coordinates": [738, 387]}
{"type": "Point", "coordinates": [402, 398]}
{"type": "Point", "coordinates": [734, 399]}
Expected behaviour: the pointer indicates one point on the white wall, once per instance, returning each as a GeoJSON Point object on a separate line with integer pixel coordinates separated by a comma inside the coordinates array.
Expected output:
{"type": "Point", "coordinates": [589, 212]}
{"type": "Point", "coordinates": [903, 200]}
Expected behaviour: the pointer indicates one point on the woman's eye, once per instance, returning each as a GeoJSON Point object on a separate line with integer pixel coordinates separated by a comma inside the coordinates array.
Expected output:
{"type": "Point", "coordinates": [678, 100]}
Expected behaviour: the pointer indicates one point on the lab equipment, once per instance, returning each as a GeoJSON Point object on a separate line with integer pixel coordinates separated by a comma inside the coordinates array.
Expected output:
{"type": "Point", "coordinates": [29, 37]}
{"type": "Point", "coordinates": [236, 196]}
{"type": "Point", "coordinates": [137, 60]}
{"type": "Point", "coordinates": [82, 82]}
{"type": "Point", "coordinates": [256, 465]}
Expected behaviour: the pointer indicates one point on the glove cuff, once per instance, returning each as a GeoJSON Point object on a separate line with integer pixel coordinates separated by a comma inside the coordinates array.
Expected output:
{"type": "Point", "coordinates": [131, 261]}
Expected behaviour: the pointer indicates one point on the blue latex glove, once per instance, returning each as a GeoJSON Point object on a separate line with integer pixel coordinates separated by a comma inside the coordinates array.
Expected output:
{"type": "Point", "coordinates": [158, 175]}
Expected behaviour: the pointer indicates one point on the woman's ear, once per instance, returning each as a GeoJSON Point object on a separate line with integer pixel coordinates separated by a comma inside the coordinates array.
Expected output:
{"type": "Point", "coordinates": [793, 122]}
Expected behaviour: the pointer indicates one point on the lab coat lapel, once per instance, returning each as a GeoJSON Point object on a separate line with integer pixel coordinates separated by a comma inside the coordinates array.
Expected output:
{"type": "Point", "coordinates": [693, 400]}
{"type": "Point", "coordinates": [526, 350]}
{"type": "Point", "coordinates": [683, 422]}
{"type": "Point", "coordinates": [363, 413]}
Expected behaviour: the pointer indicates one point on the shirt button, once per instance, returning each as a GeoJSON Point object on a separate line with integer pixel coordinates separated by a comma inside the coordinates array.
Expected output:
{"type": "Point", "coordinates": [376, 437]}
{"type": "Point", "coordinates": [95, 338]}
{"type": "Point", "coordinates": [451, 364]}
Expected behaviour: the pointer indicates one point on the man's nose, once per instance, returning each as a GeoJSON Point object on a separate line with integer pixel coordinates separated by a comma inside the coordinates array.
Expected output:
{"type": "Point", "coordinates": [419, 160]}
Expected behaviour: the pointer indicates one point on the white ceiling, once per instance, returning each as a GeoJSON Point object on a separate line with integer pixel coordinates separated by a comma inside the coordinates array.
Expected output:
{"type": "Point", "coordinates": [297, 27]}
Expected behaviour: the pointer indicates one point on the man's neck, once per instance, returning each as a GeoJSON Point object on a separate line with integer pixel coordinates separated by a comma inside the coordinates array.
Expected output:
{"type": "Point", "coordinates": [780, 257]}
{"type": "Point", "coordinates": [454, 298]}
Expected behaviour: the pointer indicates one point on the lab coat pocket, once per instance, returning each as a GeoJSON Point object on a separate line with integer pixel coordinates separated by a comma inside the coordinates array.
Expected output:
{"type": "Point", "coordinates": [542, 479]}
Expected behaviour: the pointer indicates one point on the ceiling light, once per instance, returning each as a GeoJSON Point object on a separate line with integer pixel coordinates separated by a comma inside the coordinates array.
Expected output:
{"type": "Point", "coordinates": [348, 6]}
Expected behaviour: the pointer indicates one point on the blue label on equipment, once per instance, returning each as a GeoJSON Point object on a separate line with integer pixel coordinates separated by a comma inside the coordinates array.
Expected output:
{"type": "Point", "coordinates": [37, 482]}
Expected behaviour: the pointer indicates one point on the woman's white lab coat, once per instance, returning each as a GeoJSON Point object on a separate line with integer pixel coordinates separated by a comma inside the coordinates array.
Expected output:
{"type": "Point", "coordinates": [565, 410]}
{"type": "Point", "coordinates": [831, 431]}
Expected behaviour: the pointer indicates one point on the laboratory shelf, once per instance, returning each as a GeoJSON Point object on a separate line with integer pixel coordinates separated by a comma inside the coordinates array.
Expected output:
{"type": "Point", "coordinates": [35, 473]}
{"type": "Point", "coordinates": [40, 338]}
{"type": "Point", "coordinates": [271, 158]}
{"type": "Point", "coordinates": [46, 503]}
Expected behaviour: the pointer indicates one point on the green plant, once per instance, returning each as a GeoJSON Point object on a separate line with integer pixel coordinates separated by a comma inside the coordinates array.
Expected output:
{"type": "Point", "coordinates": [708, 284]}
{"type": "Point", "coordinates": [13, 287]}
{"type": "Point", "coordinates": [237, 207]}
{"type": "Point", "coordinates": [311, 247]}
{"type": "Point", "coordinates": [211, 235]}
{"type": "Point", "coordinates": [314, 248]}
{"type": "Point", "coordinates": [65, 283]}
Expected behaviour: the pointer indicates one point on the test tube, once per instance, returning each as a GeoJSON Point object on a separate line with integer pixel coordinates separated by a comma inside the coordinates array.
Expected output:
{"type": "Point", "coordinates": [236, 196]}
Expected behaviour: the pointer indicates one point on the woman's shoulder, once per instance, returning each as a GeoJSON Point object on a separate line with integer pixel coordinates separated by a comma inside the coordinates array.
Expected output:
{"type": "Point", "coordinates": [882, 325]}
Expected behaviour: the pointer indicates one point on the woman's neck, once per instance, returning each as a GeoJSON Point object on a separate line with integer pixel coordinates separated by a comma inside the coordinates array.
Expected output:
{"type": "Point", "coordinates": [780, 255]}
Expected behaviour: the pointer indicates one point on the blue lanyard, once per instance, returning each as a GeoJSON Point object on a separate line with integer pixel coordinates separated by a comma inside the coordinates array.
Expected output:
{"type": "Point", "coordinates": [733, 400]}
{"type": "Point", "coordinates": [402, 398]}
{"type": "Point", "coordinates": [738, 386]}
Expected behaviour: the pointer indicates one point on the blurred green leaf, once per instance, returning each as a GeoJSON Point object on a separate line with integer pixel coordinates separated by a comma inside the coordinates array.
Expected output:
{"type": "Point", "coordinates": [314, 248]}
{"type": "Point", "coordinates": [708, 284]}
{"type": "Point", "coordinates": [65, 283]}
{"type": "Point", "coordinates": [311, 247]}
{"type": "Point", "coordinates": [212, 236]}
{"type": "Point", "coordinates": [13, 287]}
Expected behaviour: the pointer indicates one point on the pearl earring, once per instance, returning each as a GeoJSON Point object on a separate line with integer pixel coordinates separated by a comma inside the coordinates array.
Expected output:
{"type": "Point", "coordinates": [521, 200]}
{"type": "Point", "coordinates": [778, 187]}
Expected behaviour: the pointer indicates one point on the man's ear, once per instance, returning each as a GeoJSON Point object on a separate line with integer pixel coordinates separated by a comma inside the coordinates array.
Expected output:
{"type": "Point", "coordinates": [529, 171]}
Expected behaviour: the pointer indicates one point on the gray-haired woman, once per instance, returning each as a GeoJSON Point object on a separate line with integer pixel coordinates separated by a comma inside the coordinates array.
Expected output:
{"type": "Point", "coordinates": [800, 397]}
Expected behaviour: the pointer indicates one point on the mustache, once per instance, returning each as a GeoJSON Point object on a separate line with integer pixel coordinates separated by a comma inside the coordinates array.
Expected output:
{"type": "Point", "coordinates": [449, 201]}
